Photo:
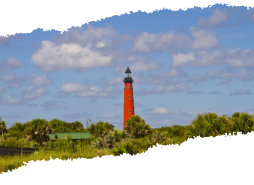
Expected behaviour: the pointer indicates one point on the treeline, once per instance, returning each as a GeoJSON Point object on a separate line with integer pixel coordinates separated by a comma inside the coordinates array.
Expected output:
{"type": "Point", "coordinates": [35, 132]}
{"type": "Point", "coordinates": [136, 137]}
{"type": "Point", "coordinates": [139, 136]}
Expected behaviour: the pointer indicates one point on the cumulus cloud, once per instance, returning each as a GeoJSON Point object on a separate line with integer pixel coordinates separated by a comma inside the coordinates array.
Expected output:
{"type": "Point", "coordinates": [12, 63]}
{"type": "Point", "coordinates": [37, 88]}
{"type": "Point", "coordinates": [97, 36]}
{"type": "Point", "coordinates": [150, 42]}
{"type": "Point", "coordinates": [39, 80]}
{"type": "Point", "coordinates": [218, 18]}
{"type": "Point", "coordinates": [160, 110]}
{"type": "Point", "coordinates": [52, 57]}
{"type": "Point", "coordinates": [73, 87]}
{"type": "Point", "coordinates": [203, 39]}
{"type": "Point", "coordinates": [243, 91]}
{"type": "Point", "coordinates": [86, 91]}
{"type": "Point", "coordinates": [230, 57]}
{"type": "Point", "coordinates": [182, 59]}
{"type": "Point", "coordinates": [225, 76]}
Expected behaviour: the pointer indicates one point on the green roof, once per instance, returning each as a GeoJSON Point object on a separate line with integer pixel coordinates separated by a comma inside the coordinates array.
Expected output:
{"type": "Point", "coordinates": [71, 135]}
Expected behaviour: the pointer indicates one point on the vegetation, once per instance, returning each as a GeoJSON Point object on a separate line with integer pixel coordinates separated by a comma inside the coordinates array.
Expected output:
{"type": "Point", "coordinates": [2, 127]}
{"type": "Point", "coordinates": [135, 138]}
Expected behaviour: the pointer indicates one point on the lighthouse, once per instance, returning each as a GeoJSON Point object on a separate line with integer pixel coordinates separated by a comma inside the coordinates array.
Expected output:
{"type": "Point", "coordinates": [128, 97]}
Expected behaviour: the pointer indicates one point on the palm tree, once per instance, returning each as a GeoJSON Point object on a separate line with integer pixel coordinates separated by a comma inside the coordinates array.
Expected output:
{"type": "Point", "coordinates": [37, 130]}
{"type": "Point", "coordinates": [242, 122]}
{"type": "Point", "coordinates": [100, 129]}
{"type": "Point", "coordinates": [203, 124]}
{"type": "Point", "coordinates": [136, 127]}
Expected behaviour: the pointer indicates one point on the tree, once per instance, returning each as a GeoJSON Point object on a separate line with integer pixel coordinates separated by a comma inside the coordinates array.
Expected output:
{"type": "Point", "coordinates": [113, 137]}
{"type": "Point", "coordinates": [17, 130]}
{"type": "Point", "coordinates": [100, 129]}
{"type": "Point", "coordinates": [242, 122]}
{"type": "Point", "coordinates": [77, 126]}
{"type": "Point", "coordinates": [57, 125]}
{"type": "Point", "coordinates": [3, 128]}
{"type": "Point", "coordinates": [203, 124]}
{"type": "Point", "coordinates": [37, 130]}
{"type": "Point", "coordinates": [136, 127]}
{"type": "Point", "coordinates": [222, 125]}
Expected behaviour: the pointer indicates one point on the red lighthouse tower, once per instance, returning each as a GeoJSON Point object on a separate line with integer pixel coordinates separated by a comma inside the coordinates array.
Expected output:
{"type": "Point", "coordinates": [128, 97]}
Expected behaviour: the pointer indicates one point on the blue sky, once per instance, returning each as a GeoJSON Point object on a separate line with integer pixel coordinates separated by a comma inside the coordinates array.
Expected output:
{"type": "Point", "coordinates": [183, 63]}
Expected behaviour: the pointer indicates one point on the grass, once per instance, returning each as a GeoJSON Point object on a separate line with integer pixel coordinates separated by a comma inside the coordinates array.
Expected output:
{"type": "Point", "coordinates": [16, 161]}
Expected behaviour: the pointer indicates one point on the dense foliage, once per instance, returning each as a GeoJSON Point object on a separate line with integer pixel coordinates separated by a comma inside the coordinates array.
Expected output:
{"type": "Point", "coordinates": [137, 128]}
{"type": "Point", "coordinates": [37, 132]}
{"type": "Point", "coordinates": [135, 138]}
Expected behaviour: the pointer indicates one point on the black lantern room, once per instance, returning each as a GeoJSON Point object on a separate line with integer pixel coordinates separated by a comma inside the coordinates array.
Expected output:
{"type": "Point", "coordinates": [128, 78]}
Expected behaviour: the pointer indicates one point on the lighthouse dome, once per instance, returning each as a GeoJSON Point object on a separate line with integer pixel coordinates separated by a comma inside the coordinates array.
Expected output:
{"type": "Point", "coordinates": [128, 70]}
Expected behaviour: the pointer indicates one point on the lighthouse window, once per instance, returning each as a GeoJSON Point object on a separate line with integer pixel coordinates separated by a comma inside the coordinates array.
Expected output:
{"type": "Point", "coordinates": [129, 98]}
{"type": "Point", "coordinates": [130, 111]}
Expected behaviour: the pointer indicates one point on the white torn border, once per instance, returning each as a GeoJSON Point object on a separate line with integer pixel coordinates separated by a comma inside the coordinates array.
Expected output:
{"type": "Point", "coordinates": [199, 161]}
{"type": "Point", "coordinates": [24, 16]}
{"type": "Point", "coordinates": [220, 160]}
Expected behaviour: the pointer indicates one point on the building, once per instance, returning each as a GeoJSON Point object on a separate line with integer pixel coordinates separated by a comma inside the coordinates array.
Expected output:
{"type": "Point", "coordinates": [128, 97]}
{"type": "Point", "coordinates": [69, 135]}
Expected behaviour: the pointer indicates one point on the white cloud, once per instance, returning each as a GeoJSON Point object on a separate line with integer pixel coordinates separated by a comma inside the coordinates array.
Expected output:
{"type": "Point", "coordinates": [149, 42]}
{"type": "Point", "coordinates": [86, 91]}
{"type": "Point", "coordinates": [100, 36]}
{"type": "Point", "coordinates": [40, 80]}
{"type": "Point", "coordinates": [182, 59]}
{"type": "Point", "coordinates": [225, 75]}
{"type": "Point", "coordinates": [9, 100]}
{"type": "Point", "coordinates": [117, 80]}
{"type": "Point", "coordinates": [73, 87]}
{"type": "Point", "coordinates": [34, 92]}
{"type": "Point", "coordinates": [174, 73]}
{"type": "Point", "coordinates": [143, 67]}
{"type": "Point", "coordinates": [14, 80]}
{"type": "Point", "coordinates": [231, 57]}
{"type": "Point", "coordinates": [216, 19]}
{"type": "Point", "coordinates": [52, 57]}
{"type": "Point", "coordinates": [203, 39]}
{"type": "Point", "coordinates": [160, 110]}
{"type": "Point", "coordinates": [171, 88]}
{"type": "Point", "coordinates": [100, 44]}
{"type": "Point", "coordinates": [12, 63]}
{"type": "Point", "coordinates": [161, 116]}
